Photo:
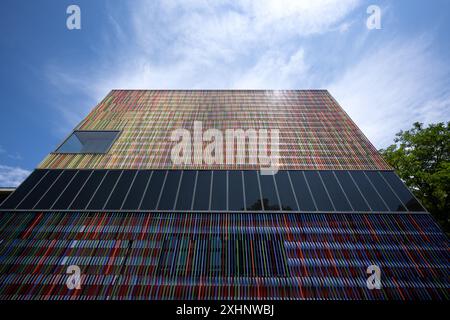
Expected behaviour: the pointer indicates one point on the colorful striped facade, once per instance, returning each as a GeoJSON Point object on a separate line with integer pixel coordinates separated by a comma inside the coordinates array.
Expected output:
{"type": "Point", "coordinates": [315, 133]}
{"type": "Point", "coordinates": [140, 227]}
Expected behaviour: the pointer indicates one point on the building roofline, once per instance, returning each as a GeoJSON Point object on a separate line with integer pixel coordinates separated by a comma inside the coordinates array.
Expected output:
{"type": "Point", "coordinates": [223, 90]}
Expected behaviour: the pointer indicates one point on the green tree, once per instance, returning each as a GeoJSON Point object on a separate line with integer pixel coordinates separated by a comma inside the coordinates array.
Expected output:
{"type": "Point", "coordinates": [421, 158]}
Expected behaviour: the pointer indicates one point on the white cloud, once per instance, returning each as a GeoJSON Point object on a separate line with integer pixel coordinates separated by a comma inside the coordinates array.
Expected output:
{"type": "Point", "coordinates": [12, 176]}
{"type": "Point", "coordinates": [14, 156]}
{"type": "Point", "coordinates": [275, 70]}
{"type": "Point", "coordinates": [230, 26]}
{"type": "Point", "coordinates": [207, 44]}
{"type": "Point", "coordinates": [393, 86]}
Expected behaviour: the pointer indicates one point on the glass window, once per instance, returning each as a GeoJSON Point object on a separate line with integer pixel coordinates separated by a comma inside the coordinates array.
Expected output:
{"type": "Point", "coordinates": [368, 191]}
{"type": "Point", "coordinates": [88, 142]}
{"type": "Point", "coordinates": [153, 190]}
{"type": "Point", "coordinates": [335, 191]}
{"type": "Point", "coordinates": [235, 191]}
{"type": "Point", "coordinates": [55, 191]}
{"type": "Point", "coordinates": [186, 191]}
{"type": "Point", "coordinates": [88, 190]}
{"type": "Point", "coordinates": [219, 190]}
{"type": "Point", "coordinates": [202, 189]}
{"type": "Point", "coordinates": [39, 190]}
{"type": "Point", "coordinates": [167, 201]}
{"type": "Point", "coordinates": [269, 193]}
{"type": "Point", "coordinates": [402, 191]}
{"type": "Point", "coordinates": [252, 194]}
{"type": "Point", "coordinates": [5, 193]}
{"type": "Point", "coordinates": [318, 191]}
{"type": "Point", "coordinates": [285, 191]}
{"type": "Point", "coordinates": [305, 201]}
{"type": "Point", "coordinates": [121, 190]}
{"type": "Point", "coordinates": [14, 199]}
{"type": "Point", "coordinates": [72, 189]}
{"type": "Point", "coordinates": [389, 197]}
{"type": "Point", "coordinates": [137, 190]}
{"type": "Point", "coordinates": [104, 191]}
{"type": "Point", "coordinates": [351, 191]}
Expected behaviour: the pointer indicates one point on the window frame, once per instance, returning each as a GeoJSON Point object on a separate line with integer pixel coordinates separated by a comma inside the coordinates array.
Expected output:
{"type": "Point", "coordinates": [117, 132]}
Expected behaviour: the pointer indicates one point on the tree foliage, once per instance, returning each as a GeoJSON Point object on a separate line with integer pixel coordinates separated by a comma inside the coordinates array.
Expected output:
{"type": "Point", "coordinates": [421, 158]}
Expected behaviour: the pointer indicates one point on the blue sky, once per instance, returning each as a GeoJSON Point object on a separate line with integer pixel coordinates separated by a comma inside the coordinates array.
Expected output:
{"type": "Point", "coordinates": [51, 76]}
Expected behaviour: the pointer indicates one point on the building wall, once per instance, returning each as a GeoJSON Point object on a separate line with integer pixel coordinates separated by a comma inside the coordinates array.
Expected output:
{"type": "Point", "coordinates": [139, 227]}
{"type": "Point", "coordinates": [315, 132]}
